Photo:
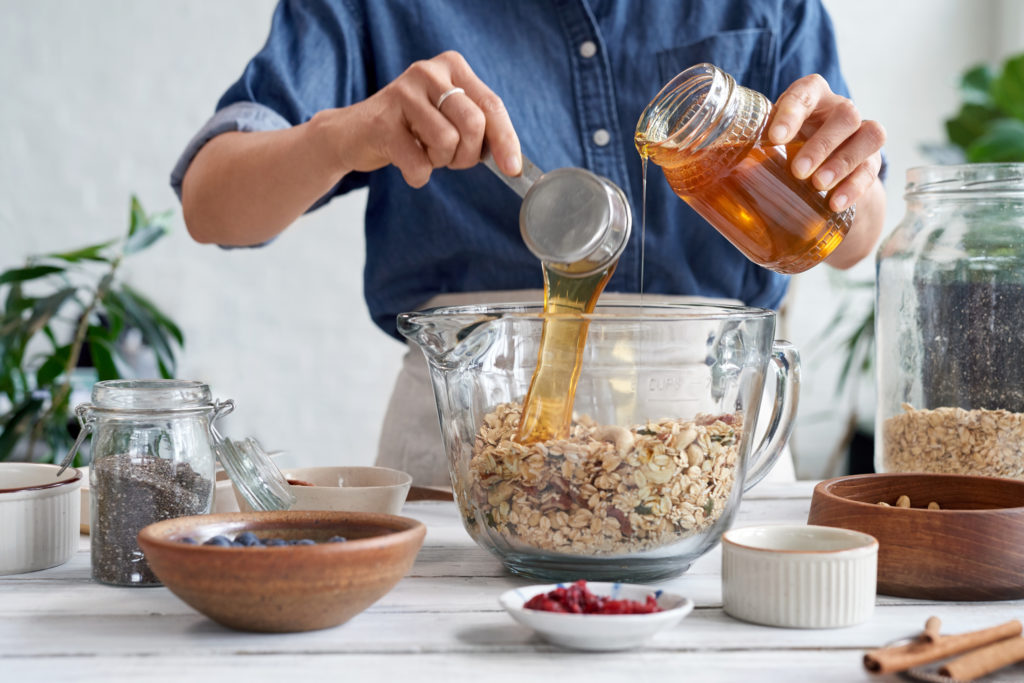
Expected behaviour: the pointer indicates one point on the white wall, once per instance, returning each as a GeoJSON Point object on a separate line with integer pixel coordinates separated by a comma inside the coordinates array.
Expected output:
{"type": "Point", "coordinates": [98, 97]}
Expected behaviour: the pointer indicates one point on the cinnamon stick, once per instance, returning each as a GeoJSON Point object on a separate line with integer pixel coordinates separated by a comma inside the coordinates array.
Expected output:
{"type": "Point", "coordinates": [903, 657]}
{"type": "Point", "coordinates": [985, 660]}
{"type": "Point", "coordinates": [931, 630]}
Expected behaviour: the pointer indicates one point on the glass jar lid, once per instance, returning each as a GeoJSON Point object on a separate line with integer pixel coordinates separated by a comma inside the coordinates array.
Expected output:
{"type": "Point", "coordinates": [259, 480]}
{"type": "Point", "coordinates": [130, 395]}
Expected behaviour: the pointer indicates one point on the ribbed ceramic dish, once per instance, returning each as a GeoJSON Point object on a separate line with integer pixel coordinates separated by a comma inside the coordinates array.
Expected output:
{"type": "Point", "coordinates": [39, 515]}
{"type": "Point", "coordinates": [799, 576]}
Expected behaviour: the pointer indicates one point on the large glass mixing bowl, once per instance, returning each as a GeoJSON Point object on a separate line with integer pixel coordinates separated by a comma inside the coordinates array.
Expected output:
{"type": "Point", "coordinates": [661, 442]}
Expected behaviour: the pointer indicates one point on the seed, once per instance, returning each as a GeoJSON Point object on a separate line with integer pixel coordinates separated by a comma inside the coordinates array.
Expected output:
{"type": "Point", "coordinates": [903, 501]}
{"type": "Point", "coordinates": [933, 506]}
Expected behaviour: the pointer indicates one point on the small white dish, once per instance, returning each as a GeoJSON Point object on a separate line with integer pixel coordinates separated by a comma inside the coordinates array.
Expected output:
{"type": "Point", "coordinates": [598, 632]}
{"type": "Point", "coordinates": [799, 576]}
{"type": "Point", "coordinates": [350, 489]}
{"type": "Point", "coordinates": [38, 516]}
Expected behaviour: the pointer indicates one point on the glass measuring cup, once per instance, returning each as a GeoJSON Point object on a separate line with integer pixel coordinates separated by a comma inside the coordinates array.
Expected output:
{"type": "Point", "coordinates": [662, 441]}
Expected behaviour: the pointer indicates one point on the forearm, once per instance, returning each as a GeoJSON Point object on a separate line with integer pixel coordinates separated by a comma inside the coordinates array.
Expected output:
{"type": "Point", "coordinates": [865, 231]}
{"type": "Point", "coordinates": [245, 188]}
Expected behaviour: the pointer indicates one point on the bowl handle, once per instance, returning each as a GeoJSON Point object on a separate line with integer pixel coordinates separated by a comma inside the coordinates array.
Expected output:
{"type": "Point", "coordinates": [785, 361]}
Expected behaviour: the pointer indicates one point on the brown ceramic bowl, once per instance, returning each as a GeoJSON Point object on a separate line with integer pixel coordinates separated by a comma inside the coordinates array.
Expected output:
{"type": "Point", "coordinates": [287, 588]}
{"type": "Point", "coordinates": [972, 548]}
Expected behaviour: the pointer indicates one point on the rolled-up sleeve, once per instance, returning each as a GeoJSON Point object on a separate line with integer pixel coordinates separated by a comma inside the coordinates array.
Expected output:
{"type": "Point", "coordinates": [312, 60]}
{"type": "Point", "coordinates": [241, 116]}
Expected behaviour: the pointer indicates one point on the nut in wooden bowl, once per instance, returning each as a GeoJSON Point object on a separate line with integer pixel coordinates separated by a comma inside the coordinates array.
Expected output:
{"type": "Point", "coordinates": [971, 548]}
{"type": "Point", "coordinates": [283, 588]}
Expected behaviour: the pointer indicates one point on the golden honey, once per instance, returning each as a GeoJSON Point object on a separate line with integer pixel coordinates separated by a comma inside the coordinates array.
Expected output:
{"type": "Point", "coordinates": [547, 410]}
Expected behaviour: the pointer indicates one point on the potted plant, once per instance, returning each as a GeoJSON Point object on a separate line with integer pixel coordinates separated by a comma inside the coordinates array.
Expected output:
{"type": "Point", "coordinates": [61, 310]}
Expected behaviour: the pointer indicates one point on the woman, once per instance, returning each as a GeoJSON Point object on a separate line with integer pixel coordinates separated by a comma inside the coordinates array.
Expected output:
{"type": "Point", "coordinates": [404, 96]}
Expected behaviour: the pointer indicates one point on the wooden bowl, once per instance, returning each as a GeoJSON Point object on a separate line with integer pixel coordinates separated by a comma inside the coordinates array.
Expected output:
{"type": "Point", "coordinates": [970, 549]}
{"type": "Point", "coordinates": [288, 588]}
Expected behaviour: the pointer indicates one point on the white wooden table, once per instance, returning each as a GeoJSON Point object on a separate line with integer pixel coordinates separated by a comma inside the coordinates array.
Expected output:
{"type": "Point", "coordinates": [441, 623]}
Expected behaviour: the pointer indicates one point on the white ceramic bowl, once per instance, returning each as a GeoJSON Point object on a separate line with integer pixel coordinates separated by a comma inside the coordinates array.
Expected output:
{"type": "Point", "coordinates": [598, 632]}
{"type": "Point", "coordinates": [361, 489]}
{"type": "Point", "coordinates": [39, 515]}
{"type": "Point", "coordinates": [799, 576]}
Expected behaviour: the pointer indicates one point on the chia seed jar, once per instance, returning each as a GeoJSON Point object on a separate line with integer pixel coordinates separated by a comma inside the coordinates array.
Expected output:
{"type": "Point", "coordinates": [950, 336]}
{"type": "Point", "coordinates": [152, 459]}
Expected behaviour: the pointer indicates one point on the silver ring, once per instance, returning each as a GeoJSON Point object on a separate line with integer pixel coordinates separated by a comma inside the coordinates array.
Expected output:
{"type": "Point", "coordinates": [447, 94]}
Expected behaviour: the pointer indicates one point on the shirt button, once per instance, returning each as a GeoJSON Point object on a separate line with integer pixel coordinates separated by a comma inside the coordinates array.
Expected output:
{"type": "Point", "coordinates": [588, 49]}
{"type": "Point", "coordinates": [602, 137]}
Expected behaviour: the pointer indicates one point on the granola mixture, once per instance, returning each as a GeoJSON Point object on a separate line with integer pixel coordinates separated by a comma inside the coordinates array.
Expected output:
{"type": "Point", "coordinates": [606, 490]}
{"type": "Point", "coordinates": [954, 440]}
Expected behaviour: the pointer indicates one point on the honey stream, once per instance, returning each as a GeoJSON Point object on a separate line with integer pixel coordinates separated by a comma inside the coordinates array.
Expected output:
{"type": "Point", "coordinates": [547, 410]}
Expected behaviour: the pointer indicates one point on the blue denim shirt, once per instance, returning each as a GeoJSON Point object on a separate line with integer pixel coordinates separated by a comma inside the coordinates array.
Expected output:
{"type": "Point", "coordinates": [571, 105]}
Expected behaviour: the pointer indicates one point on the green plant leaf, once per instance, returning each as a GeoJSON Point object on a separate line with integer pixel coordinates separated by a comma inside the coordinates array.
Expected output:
{"type": "Point", "coordinates": [1008, 87]}
{"type": "Point", "coordinates": [144, 237]}
{"type": "Point", "coordinates": [102, 352]}
{"type": "Point", "coordinates": [1003, 142]}
{"type": "Point", "coordinates": [136, 216]}
{"type": "Point", "coordinates": [137, 316]}
{"type": "Point", "coordinates": [53, 367]}
{"type": "Point", "coordinates": [10, 326]}
{"type": "Point", "coordinates": [45, 309]}
{"type": "Point", "coordinates": [976, 85]}
{"type": "Point", "coordinates": [90, 253]}
{"type": "Point", "coordinates": [970, 123]}
{"type": "Point", "coordinates": [165, 372]}
{"type": "Point", "coordinates": [19, 424]}
{"type": "Point", "coordinates": [28, 273]}
{"type": "Point", "coordinates": [17, 301]}
{"type": "Point", "coordinates": [157, 314]}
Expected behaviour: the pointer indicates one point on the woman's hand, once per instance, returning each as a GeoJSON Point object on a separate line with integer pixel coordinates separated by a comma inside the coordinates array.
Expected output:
{"type": "Point", "coordinates": [403, 125]}
{"type": "Point", "coordinates": [841, 153]}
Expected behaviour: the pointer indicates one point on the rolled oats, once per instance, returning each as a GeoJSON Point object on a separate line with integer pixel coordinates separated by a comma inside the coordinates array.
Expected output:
{"type": "Point", "coordinates": [955, 440]}
{"type": "Point", "coordinates": [606, 490]}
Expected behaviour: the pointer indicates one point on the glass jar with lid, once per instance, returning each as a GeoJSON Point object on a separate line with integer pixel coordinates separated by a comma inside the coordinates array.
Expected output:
{"type": "Point", "coordinates": [152, 459]}
{"type": "Point", "coordinates": [950, 325]}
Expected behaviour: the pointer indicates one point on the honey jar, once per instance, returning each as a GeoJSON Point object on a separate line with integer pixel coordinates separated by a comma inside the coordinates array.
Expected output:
{"type": "Point", "coordinates": [709, 136]}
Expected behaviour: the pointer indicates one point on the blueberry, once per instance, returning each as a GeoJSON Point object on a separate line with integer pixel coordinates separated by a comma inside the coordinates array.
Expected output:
{"type": "Point", "coordinates": [237, 544]}
{"type": "Point", "coordinates": [275, 542]}
{"type": "Point", "coordinates": [305, 541]}
{"type": "Point", "coordinates": [189, 540]}
{"type": "Point", "coordinates": [219, 540]}
{"type": "Point", "coordinates": [248, 539]}
{"type": "Point", "coordinates": [336, 539]}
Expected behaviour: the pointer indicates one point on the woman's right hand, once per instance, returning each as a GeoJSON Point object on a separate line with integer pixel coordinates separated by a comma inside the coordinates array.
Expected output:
{"type": "Point", "coordinates": [402, 124]}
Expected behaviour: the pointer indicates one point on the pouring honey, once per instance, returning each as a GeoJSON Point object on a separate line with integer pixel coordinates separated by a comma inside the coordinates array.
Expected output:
{"type": "Point", "coordinates": [708, 135]}
{"type": "Point", "coordinates": [577, 223]}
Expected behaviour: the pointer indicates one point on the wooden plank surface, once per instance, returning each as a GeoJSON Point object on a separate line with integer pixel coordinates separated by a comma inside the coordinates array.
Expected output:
{"type": "Point", "coordinates": [442, 622]}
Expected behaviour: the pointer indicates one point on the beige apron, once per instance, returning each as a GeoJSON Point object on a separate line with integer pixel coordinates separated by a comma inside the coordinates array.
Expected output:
{"type": "Point", "coordinates": [410, 438]}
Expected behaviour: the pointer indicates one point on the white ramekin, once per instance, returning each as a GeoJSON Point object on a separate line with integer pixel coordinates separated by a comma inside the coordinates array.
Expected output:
{"type": "Point", "coordinates": [799, 576]}
{"type": "Point", "coordinates": [39, 516]}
